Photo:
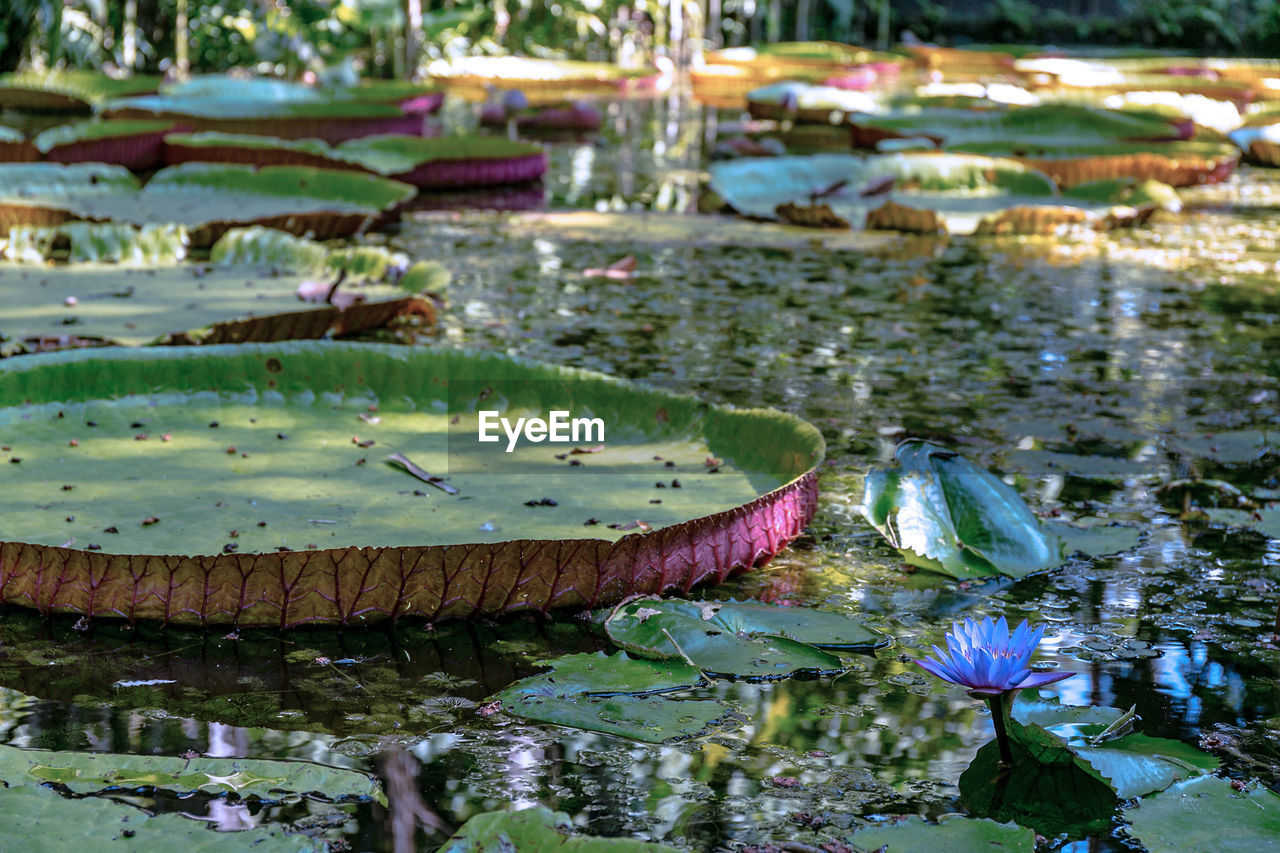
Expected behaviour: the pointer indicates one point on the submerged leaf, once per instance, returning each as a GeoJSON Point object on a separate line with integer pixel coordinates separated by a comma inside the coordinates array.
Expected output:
{"type": "Point", "coordinates": [953, 834]}
{"type": "Point", "coordinates": [616, 695]}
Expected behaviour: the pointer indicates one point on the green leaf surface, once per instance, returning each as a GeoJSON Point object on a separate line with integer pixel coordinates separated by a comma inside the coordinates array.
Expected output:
{"type": "Point", "coordinates": [39, 820]}
{"type": "Point", "coordinates": [1207, 814]}
{"type": "Point", "coordinates": [1050, 798]}
{"type": "Point", "coordinates": [819, 628]}
{"type": "Point", "coordinates": [1095, 537]}
{"type": "Point", "coordinates": [1050, 125]}
{"type": "Point", "coordinates": [1231, 447]}
{"type": "Point", "coordinates": [536, 830]}
{"type": "Point", "coordinates": [91, 772]}
{"type": "Point", "coordinates": [1266, 520]}
{"type": "Point", "coordinates": [722, 639]}
{"type": "Point", "coordinates": [616, 695]}
{"type": "Point", "coordinates": [231, 107]}
{"type": "Point", "coordinates": [951, 835]}
{"type": "Point", "coordinates": [957, 517]}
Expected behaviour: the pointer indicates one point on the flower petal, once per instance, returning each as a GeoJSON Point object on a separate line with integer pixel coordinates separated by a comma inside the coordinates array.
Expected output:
{"type": "Point", "coordinates": [1040, 679]}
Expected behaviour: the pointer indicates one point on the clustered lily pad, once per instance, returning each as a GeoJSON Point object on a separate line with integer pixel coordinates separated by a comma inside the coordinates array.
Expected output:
{"type": "Point", "coordinates": [206, 198]}
{"type": "Point", "coordinates": [927, 193]}
{"type": "Point", "coordinates": [127, 285]}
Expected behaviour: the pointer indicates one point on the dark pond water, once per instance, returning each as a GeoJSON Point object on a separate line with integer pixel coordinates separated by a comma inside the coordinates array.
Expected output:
{"type": "Point", "coordinates": [1089, 370]}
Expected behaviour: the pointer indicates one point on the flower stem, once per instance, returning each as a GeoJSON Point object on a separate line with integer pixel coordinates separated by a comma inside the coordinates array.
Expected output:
{"type": "Point", "coordinates": [998, 710]}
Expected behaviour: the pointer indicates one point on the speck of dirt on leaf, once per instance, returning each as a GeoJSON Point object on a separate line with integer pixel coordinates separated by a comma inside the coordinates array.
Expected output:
{"type": "Point", "coordinates": [67, 488]}
{"type": "Point", "coordinates": [14, 460]}
{"type": "Point", "coordinates": [591, 522]}
{"type": "Point", "coordinates": [93, 547]}
{"type": "Point", "coordinates": [231, 450]}
{"type": "Point", "coordinates": [262, 524]}
{"type": "Point", "coordinates": [111, 529]}
{"type": "Point", "coordinates": [73, 443]}
{"type": "Point", "coordinates": [168, 436]}
{"type": "Point", "coordinates": [150, 520]}
{"type": "Point", "coordinates": [213, 424]}
{"type": "Point", "coordinates": [142, 436]}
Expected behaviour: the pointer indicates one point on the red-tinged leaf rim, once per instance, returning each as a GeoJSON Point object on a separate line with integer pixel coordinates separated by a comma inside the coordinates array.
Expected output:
{"type": "Point", "coordinates": [207, 198]}
{"type": "Point", "coordinates": [138, 145]}
{"type": "Point", "coordinates": [1177, 164]}
{"type": "Point", "coordinates": [541, 80]}
{"type": "Point", "coordinates": [67, 91]}
{"type": "Point", "coordinates": [771, 461]}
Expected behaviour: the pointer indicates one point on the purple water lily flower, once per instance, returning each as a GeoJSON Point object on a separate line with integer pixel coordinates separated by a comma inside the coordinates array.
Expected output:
{"type": "Point", "coordinates": [983, 657]}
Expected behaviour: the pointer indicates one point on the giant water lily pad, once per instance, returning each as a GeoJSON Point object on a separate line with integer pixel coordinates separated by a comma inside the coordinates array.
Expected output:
{"type": "Point", "coordinates": [70, 91]}
{"type": "Point", "coordinates": [330, 119]}
{"type": "Point", "coordinates": [945, 513]}
{"type": "Point", "coordinates": [40, 820]}
{"type": "Point", "coordinates": [539, 79]}
{"type": "Point", "coordinates": [952, 835]}
{"type": "Point", "coordinates": [615, 695]}
{"type": "Point", "coordinates": [1039, 126]}
{"type": "Point", "coordinates": [536, 830]}
{"type": "Point", "coordinates": [1178, 164]}
{"type": "Point", "coordinates": [132, 288]}
{"type": "Point", "coordinates": [207, 198]}
{"type": "Point", "coordinates": [326, 530]}
{"type": "Point", "coordinates": [1207, 813]}
{"type": "Point", "coordinates": [928, 192]}
{"type": "Point", "coordinates": [90, 772]}
{"type": "Point", "coordinates": [430, 162]}
{"type": "Point", "coordinates": [135, 144]}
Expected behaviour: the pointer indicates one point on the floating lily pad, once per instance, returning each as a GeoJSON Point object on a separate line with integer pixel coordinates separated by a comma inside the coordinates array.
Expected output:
{"type": "Point", "coordinates": [536, 829]}
{"type": "Point", "coordinates": [249, 293]}
{"type": "Point", "coordinates": [947, 514]}
{"type": "Point", "coordinates": [67, 91]}
{"type": "Point", "coordinates": [1178, 164]}
{"type": "Point", "coordinates": [821, 104]}
{"type": "Point", "coordinates": [930, 193]}
{"type": "Point", "coordinates": [1265, 520]}
{"type": "Point", "coordinates": [41, 820]}
{"type": "Point", "coordinates": [1132, 764]}
{"type": "Point", "coordinates": [207, 198]}
{"type": "Point", "coordinates": [951, 835]}
{"type": "Point", "coordinates": [1207, 813]}
{"type": "Point", "coordinates": [729, 639]}
{"type": "Point", "coordinates": [15, 147]}
{"type": "Point", "coordinates": [135, 144]}
{"type": "Point", "coordinates": [1052, 125]}
{"type": "Point", "coordinates": [615, 695]}
{"type": "Point", "coordinates": [290, 465]}
{"type": "Point", "coordinates": [332, 120]}
{"type": "Point", "coordinates": [1108, 469]}
{"type": "Point", "coordinates": [539, 79]}
{"type": "Point", "coordinates": [1231, 447]}
{"type": "Point", "coordinates": [91, 772]}
{"type": "Point", "coordinates": [1095, 537]}
{"type": "Point", "coordinates": [429, 162]}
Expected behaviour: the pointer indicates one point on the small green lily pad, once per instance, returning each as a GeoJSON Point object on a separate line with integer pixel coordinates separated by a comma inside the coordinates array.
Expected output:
{"type": "Point", "coordinates": [615, 695]}
{"type": "Point", "coordinates": [536, 830]}
{"type": "Point", "coordinates": [722, 640]}
{"type": "Point", "coordinates": [1207, 813]}
{"type": "Point", "coordinates": [950, 835]}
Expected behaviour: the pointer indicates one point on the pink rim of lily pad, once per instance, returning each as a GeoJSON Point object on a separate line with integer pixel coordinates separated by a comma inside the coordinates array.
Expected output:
{"type": "Point", "coordinates": [477, 172]}
{"type": "Point", "coordinates": [332, 131]}
{"type": "Point", "coordinates": [138, 152]}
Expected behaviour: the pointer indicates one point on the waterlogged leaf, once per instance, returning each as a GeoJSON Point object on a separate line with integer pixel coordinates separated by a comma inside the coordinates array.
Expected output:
{"type": "Point", "coordinates": [1207, 813]}
{"type": "Point", "coordinates": [955, 517]}
{"type": "Point", "coordinates": [932, 192]}
{"type": "Point", "coordinates": [38, 819]}
{"type": "Point", "coordinates": [90, 772]}
{"type": "Point", "coordinates": [722, 639]}
{"type": "Point", "coordinates": [950, 835]}
{"type": "Point", "coordinates": [1095, 537]}
{"type": "Point", "coordinates": [615, 695]}
{"type": "Point", "coordinates": [536, 830]}
{"type": "Point", "coordinates": [1050, 798]}
{"type": "Point", "coordinates": [819, 628]}
{"type": "Point", "coordinates": [326, 531]}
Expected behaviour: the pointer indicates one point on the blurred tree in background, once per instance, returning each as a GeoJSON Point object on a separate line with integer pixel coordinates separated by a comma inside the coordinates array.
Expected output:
{"type": "Point", "coordinates": [389, 37]}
